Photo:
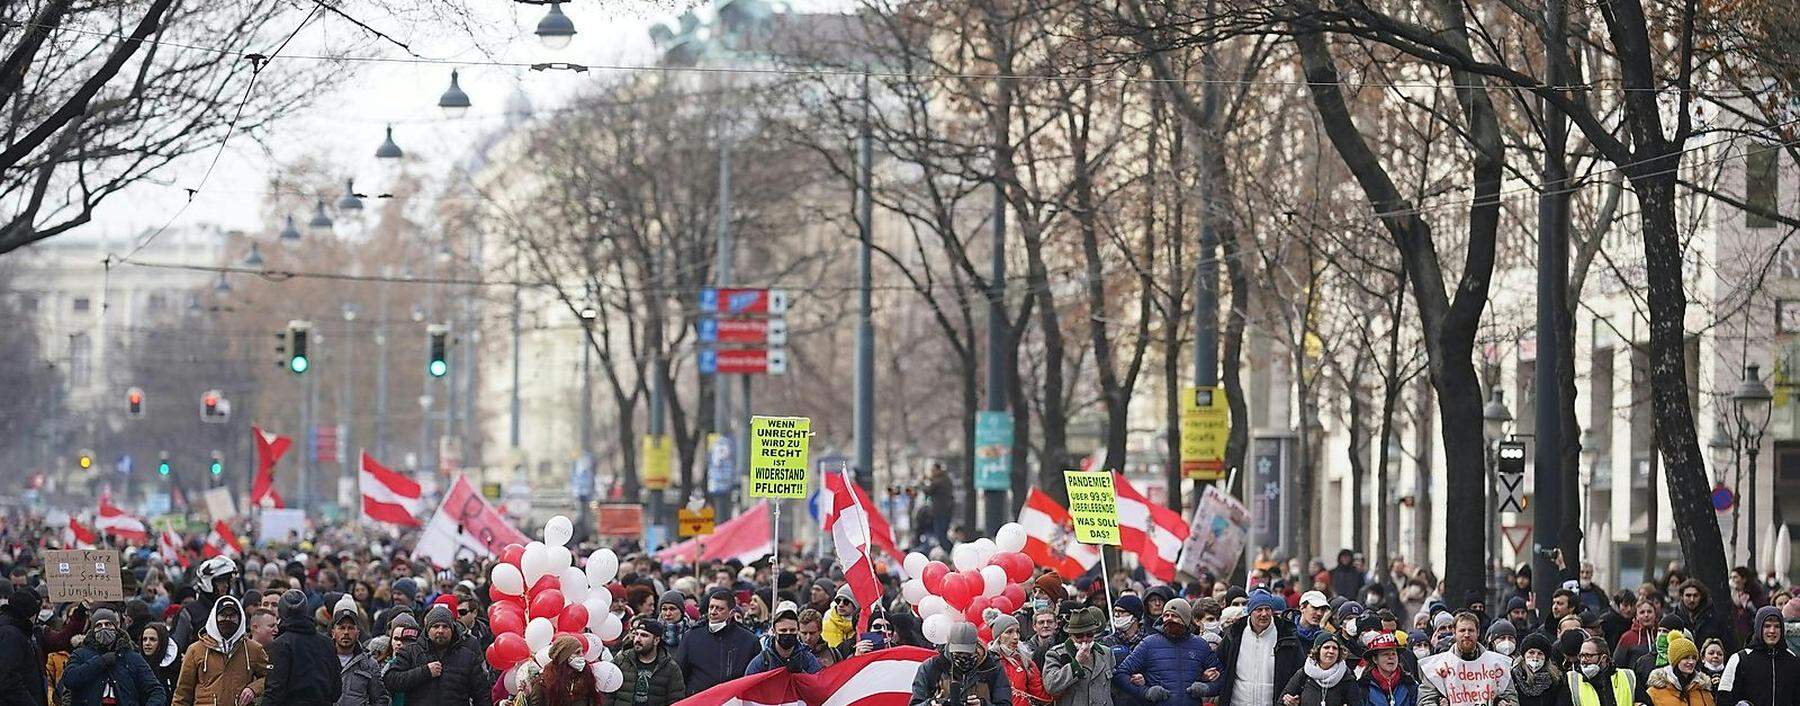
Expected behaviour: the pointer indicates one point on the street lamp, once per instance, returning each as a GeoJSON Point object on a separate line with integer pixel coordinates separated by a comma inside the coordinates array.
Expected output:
{"type": "Point", "coordinates": [1754, 404]}
{"type": "Point", "coordinates": [289, 233]}
{"type": "Point", "coordinates": [349, 201]}
{"type": "Point", "coordinates": [255, 258]}
{"type": "Point", "coordinates": [556, 30]}
{"type": "Point", "coordinates": [389, 150]}
{"type": "Point", "coordinates": [223, 287]}
{"type": "Point", "coordinates": [1495, 416]}
{"type": "Point", "coordinates": [320, 223]}
{"type": "Point", "coordinates": [454, 102]}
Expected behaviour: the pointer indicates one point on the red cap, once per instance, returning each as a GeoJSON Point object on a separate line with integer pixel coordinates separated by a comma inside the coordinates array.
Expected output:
{"type": "Point", "coordinates": [617, 591]}
{"type": "Point", "coordinates": [1380, 641]}
{"type": "Point", "coordinates": [450, 600]}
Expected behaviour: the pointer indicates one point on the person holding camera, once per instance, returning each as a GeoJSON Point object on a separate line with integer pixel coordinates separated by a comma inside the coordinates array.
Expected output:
{"type": "Point", "coordinates": [961, 674]}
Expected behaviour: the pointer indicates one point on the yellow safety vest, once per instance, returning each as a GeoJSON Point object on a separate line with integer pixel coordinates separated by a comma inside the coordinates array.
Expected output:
{"type": "Point", "coordinates": [1624, 687]}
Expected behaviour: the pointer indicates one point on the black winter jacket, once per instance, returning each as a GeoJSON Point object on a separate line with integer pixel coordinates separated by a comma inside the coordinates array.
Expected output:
{"type": "Point", "coordinates": [303, 666]}
{"type": "Point", "coordinates": [1347, 692]}
{"type": "Point", "coordinates": [1289, 657]}
{"type": "Point", "coordinates": [464, 682]}
{"type": "Point", "coordinates": [710, 659]}
{"type": "Point", "coordinates": [21, 664]}
{"type": "Point", "coordinates": [937, 679]}
{"type": "Point", "coordinates": [666, 685]}
{"type": "Point", "coordinates": [1761, 674]}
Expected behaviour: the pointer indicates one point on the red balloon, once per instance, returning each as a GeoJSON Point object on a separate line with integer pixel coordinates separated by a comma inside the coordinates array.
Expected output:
{"type": "Point", "coordinates": [1014, 595]}
{"type": "Point", "coordinates": [1018, 567]}
{"type": "Point", "coordinates": [1000, 603]}
{"type": "Point", "coordinates": [957, 593]}
{"type": "Point", "coordinates": [509, 649]}
{"type": "Point", "coordinates": [976, 607]}
{"type": "Point", "coordinates": [574, 618]}
{"type": "Point", "coordinates": [548, 604]}
{"type": "Point", "coordinates": [933, 576]}
{"type": "Point", "coordinates": [544, 583]}
{"type": "Point", "coordinates": [506, 617]}
{"type": "Point", "coordinates": [515, 601]}
{"type": "Point", "coordinates": [511, 554]}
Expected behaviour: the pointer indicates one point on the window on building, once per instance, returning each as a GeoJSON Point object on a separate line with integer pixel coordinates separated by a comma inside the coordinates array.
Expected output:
{"type": "Point", "coordinates": [156, 302]}
{"type": "Point", "coordinates": [82, 304]}
{"type": "Point", "coordinates": [1762, 185]}
{"type": "Point", "coordinates": [81, 363]}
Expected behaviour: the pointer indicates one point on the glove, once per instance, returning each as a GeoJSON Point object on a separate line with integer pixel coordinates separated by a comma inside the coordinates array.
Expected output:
{"type": "Point", "coordinates": [1197, 690]}
{"type": "Point", "coordinates": [1156, 694]}
{"type": "Point", "coordinates": [107, 660]}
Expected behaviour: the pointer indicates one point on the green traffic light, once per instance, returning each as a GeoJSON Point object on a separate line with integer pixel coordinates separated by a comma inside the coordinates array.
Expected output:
{"type": "Point", "coordinates": [298, 364]}
{"type": "Point", "coordinates": [437, 368]}
{"type": "Point", "coordinates": [217, 468]}
{"type": "Point", "coordinates": [162, 468]}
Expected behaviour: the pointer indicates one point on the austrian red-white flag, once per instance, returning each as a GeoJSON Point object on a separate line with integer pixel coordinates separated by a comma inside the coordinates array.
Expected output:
{"type": "Point", "coordinates": [269, 450]}
{"type": "Point", "coordinates": [1050, 537]}
{"type": "Point", "coordinates": [78, 535]}
{"type": "Point", "coordinates": [115, 522]}
{"type": "Point", "coordinates": [1153, 531]}
{"type": "Point", "coordinates": [388, 496]}
{"type": "Point", "coordinates": [880, 532]}
{"type": "Point", "coordinates": [848, 524]}
{"type": "Point", "coordinates": [880, 678]}
{"type": "Point", "coordinates": [168, 544]}
{"type": "Point", "coordinates": [221, 540]}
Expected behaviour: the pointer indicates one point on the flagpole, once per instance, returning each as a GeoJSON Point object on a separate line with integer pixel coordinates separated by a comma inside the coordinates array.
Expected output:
{"type": "Point", "coordinates": [868, 549]}
{"type": "Point", "coordinates": [774, 556]}
{"type": "Point", "coordinates": [1106, 588]}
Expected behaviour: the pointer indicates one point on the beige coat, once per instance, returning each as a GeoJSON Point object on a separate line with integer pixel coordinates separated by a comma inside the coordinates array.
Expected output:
{"type": "Point", "coordinates": [212, 678]}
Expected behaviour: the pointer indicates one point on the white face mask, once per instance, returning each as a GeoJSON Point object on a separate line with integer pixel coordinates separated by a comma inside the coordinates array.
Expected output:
{"type": "Point", "coordinates": [1590, 670]}
{"type": "Point", "coordinates": [1534, 663]}
{"type": "Point", "coordinates": [578, 663]}
{"type": "Point", "coordinates": [1421, 652]}
{"type": "Point", "coordinates": [1504, 647]}
{"type": "Point", "coordinates": [715, 627]}
{"type": "Point", "coordinates": [1211, 626]}
{"type": "Point", "coordinates": [1715, 666]}
{"type": "Point", "coordinates": [1124, 622]}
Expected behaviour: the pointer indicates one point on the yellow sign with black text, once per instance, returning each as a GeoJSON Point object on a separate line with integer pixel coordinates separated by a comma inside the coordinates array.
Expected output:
{"type": "Point", "coordinates": [655, 453]}
{"type": "Point", "coordinates": [778, 450]}
{"type": "Point", "coordinates": [1205, 428]}
{"type": "Point", "coordinates": [1093, 506]}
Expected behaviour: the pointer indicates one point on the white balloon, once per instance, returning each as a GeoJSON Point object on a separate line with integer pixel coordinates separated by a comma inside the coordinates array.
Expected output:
{"type": "Point", "coordinates": [984, 549]}
{"type": "Point", "coordinates": [608, 678]}
{"type": "Point", "coordinates": [558, 531]}
{"type": "Point", "coordinates": [507, 580]}
{"type": "Point", "coordinates": [915, 564]}
{"type": "Point", "coordinates": [595, 647]}
{"type": "Point", "coordinates": [612, 628]}
{"type": "Point", "coordinates": [560, 558]}
{"type": "Point", "coordinates": [993, 581]}
{"type": "Point", "coordinates": [1010, 538]}
{"type": "Point", "coordinates": [936, 629]}
{"type": "Point", "coordinates": [574, 585]}
{"type": "Point", "coordinates": [596, 618]}
{"type": "Point", "coordinates": [535, 562]}
{"type": "Point", "coordinates": [538, 633]}
{"type": "Point", "coordinates": [602, 568]}
{"type": "Point", "coordinates": [599, 602]}
{"type": "Point", "coordinates": [509, 679]}
{"type": "Point", "coordinates": [542, 658]}
{"type": "Point", "coordinates": [914, 591]}
{"type": "Point", "coordinates": [933, 605]}
{"type": "Point", "coordinates": [963, 557]}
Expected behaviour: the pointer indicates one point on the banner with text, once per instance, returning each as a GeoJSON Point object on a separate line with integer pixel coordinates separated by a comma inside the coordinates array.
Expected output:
{"type": "Point", "coordinates": [1093, 506]}
{"type": "Point", "coordinates": [465, 525]}
{"type": "Point", "coordinates": [1215, 540]}
{"type": "Point", "coordinates": [778, 448]}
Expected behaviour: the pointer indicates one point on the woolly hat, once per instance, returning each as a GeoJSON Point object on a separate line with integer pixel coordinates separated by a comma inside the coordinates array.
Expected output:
{"type": "Point", "coordinates": [1001, 623]}
{"type": "Point", "coordinates": [1260, 598]}
{"type": "Point", "coordinates": [1182, 608]}
{"type": "Point", "coordinates": [1130, 604]}
{"type": "Point", "coordinates": [439, 615]}
{"type": "Point", "coordinates": [404, 620]}
{"type": "Point", "coordinates": [1673, 621]}
{"type": "Point", "coordinates": [1326, 637]}
{"type": "Point", "coordinates": [1349, 608]}
{"type": "Point", "coordinates": [1500, 628]}
{"type": "Point", "coordinates": [1515, 603]}
{"type": "Point", "coordinates": [1791, 609]}
{"type": "Point", "coordinates": [1234, 593]}
{"type": "Point", "coordinates": [408, 587]}
{"type": "Point", "coordinates": [1535, 640]}
{"type": "Point", "coordinates": [1680, 648]}
{"type": "Point", "coordinates": [1051, 584]}
{"type": "Point", "coordinates": [106, 614]}
{"type": "Point", "coordinates": [448, 600]}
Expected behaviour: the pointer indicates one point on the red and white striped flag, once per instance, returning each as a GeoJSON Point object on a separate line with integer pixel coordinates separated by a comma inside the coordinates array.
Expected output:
{"type": "Point", "coordinates": [388, 496]}
{"type": "Point", "coordinates": [77, 535]}
{"type": "Point", "coordinates": [1153, 531]}
{"type": "Point", "coordinates": [168, 544]}
{"type": "Point", "coordinates": [1050, 537]}
{"type": "Point", "coordinates": [880, 678]}
{"type": "Point", "coordinates": [848, 524]}
{"type": "Point", "coordinates": [221, 540]}
{"type": "Point", "coordinates": [880, 532]}
{"type": "Point", "coordinates": [116, 522]}
{"type": "Point", "coordinates": [269, 450]}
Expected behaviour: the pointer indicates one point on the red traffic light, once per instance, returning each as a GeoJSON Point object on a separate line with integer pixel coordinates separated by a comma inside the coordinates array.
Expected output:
{"type": "Point", "coordinates": [136, 397]}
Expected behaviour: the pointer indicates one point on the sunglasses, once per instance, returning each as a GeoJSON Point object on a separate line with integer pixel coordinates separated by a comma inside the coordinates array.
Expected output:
{"type": "Point", "coordinates": [882, 627]}
{"type": "Point", "coordinates": [465, 611]}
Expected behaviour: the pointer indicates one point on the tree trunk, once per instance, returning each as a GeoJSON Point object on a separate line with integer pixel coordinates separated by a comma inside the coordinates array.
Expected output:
{"type": "Point", "coordinates": [1231, 353]}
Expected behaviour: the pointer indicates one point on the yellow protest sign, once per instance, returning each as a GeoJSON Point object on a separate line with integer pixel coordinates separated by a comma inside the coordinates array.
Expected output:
{"type": "Point", "coordinates": [1205, 428]}
{"type": "Point", "coordinates": [655, 454]}
{"type": "Point", "coordinates": [778, 447]}
{"type": "Point", "coordinates": [1093, 506]}
{"type": "Point", "coordinates": [694, 523]}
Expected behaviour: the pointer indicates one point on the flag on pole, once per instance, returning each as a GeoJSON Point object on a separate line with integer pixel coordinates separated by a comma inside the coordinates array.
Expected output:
{"type": "Point", "coordinates": [880, 532]}
{"type": "Point", "coordinates": [221, 540]}
{"type": "Point", "coordinates": [464, 526]}
{"type": "Point", "coordinates": [387, 496]}
{"type": "Point", "coordinates": [848, 525]}
{"type": "Point", "coordinates": [116, 522]}
{"type": "Point", "coordinates": [1154, 532]}
{"type": "Point", "coordinates": [882, 678]}
{"type": "Point", "coordinates": [77, 535]}
{"type": "Point", "coordinates": [269, 450]}
{"type": "Point", "coordinates": [1050, 537]}
{"type": "Point", "coordinates": [747, 537]}
{"type": "Point", "coordinates": [168, 544]}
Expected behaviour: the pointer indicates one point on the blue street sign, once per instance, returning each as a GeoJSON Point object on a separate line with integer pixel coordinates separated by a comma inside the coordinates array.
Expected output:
{"type": "Point", "coordinates": [709, 361]}
{"type": "Point", "coordinates": [709, 299]}
{"type": "Point", "coordinates": [124, 464]}
{"type": "Point", "coordinates": [708, 329]}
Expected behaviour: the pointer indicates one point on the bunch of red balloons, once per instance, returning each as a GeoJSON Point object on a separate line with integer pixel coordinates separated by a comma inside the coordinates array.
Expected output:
{"type": "Point", "coordinates": [983, 574]}
{"type": "Point", "coordinates": [539, 594]}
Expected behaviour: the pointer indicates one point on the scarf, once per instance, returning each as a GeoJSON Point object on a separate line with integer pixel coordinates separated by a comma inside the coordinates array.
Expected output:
{"type": "Point", "coordinates": [1662, 650]}
{"type": "Point", "coordinates": [1327, 678]}
{"type": "Point", "coordinates": [1387, 681]}
{"type": "Point", "coordinates": [1532, 683]}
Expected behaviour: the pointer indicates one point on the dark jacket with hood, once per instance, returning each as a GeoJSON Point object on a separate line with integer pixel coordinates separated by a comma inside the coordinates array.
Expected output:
{"type": "Point", "coordinates": [800, 661]}
{"type": "Point", "coordinates": [21, 653]}
{"type": "Point", "coordinates": [709, 658]}
{"type": "Point", "coordinates": [1290, 656]}
{"type": "Point", "coordinates": [1708, 622]}
{"type": "Point", "coordinates": [166, 663]}
{"type": "Point", "coordinates": [1762, 674]}
{"type": "Point", "coordinates": [303, 666]}
{"type": "Point", "coordinates": [91, 672]}
{"type": "Point", "coordinates": [665, 686]}
{"type": "Point", "coordinates": [938, 679]}
{"type": "Point", "coordinates": [464, 681]}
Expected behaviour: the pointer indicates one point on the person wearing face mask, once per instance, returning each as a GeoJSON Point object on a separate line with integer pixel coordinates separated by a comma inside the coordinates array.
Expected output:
{"type": "Point", "coordinates": [1079, 671]}
{"type": "Point", "coordinates": [1595, 682]}
{"type": "Point", "coordinates": [224, 667]}
{"type": "Point", "coordinates": [1681, 683]}
{"type": "Point", "coordinates": [1260, 654]}
{"type": "Point", "coordinates": [22, 651]}
{"type": "Point", "coordinates": [964, 674]}
{"type": "Point", "coordinates": [302, 663]}
{"type": "Point", "coordinates": [565, 681]}
{"type": "Point", "coordinates": [718, 651]}
{"type": "Point", "coordinates": [1022, 674]}
{"type": "Point", "coordinates": [1126, 634]}
{"type": "Point", "coordinates": [1385, 681]}
{"type": "Point", "coordinates": [440, 670]}
{"type": "Point", "coordinates": [1765, 672]}
{"type": "Point", "coordinates": [1501, 638]}
{"type": "Point", "coordinates": [1418, 644]}
{"type": "Point", "coordinates": [1467, 673]}
{"type": "Point", "coordinates": [1172, 667]}
{"type": "Point", "coordinates": [784, 649]}
{"type": "Point", "coordinates": [1535, 676]}
{"type": "Point", "coordinates": [108, 670]}
{"type": "Point", "coordinates": [1326, 679]}
{"type": "Point", "coordinates": [1712, 660]}
{"type": "Point", "coordinates": [651, 677]}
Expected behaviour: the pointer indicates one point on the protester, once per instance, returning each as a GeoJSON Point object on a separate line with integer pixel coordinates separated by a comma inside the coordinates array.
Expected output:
{"type": "Point", "coordinates": [1537, 678]}
{"type": "Point", "coordinates": [1345, 579]}
{"type": "Point", "coordinates": [1311, 615]}
{"type": "Point", "coordinates": [359, 669]}
{"type": "Point", "coordinates": [651, 675]}
{"type": "Point", "coordinates": [301, 661]}
{"type": "Point", "coordinates": [840, 621]}
{"type": "Point", "coordinates": [1501, 638]}
{"type": "Point", "coordinates": [223, 667]}
{"type": "Point", "coordinates": [1765, 672]}
{"type": "Point", "coordinates": [1619, 618]}
{"type": "Point", "coordinates": [565, 681]}
{"type": "Point", "coordinates": [1326, 679]}
{"type": "Point", "coordinates": [214, 578]}
{"type": "Point", "coordinates": [964, 674]}
{"type": "Point", "coordinates": [1680, 683]}
{"type": "Point", "coordinates": [440, 670]}
{"type": "Point", "coordinates": [107, 670]}
{"type": "Point", "coordinates": [1260, 654]}
{"type": "Point", "coordinates": [1703, 619]}
{"type": "Point", "coordinates": [1172, 667]}
{"type": "Point", "coordinates": [264, 623]}
{"type": "Point", "coordinates": [1385, 681]}
{"type": "Point", "coordinates": [1467, 670]}
{"type": "Point", "coordinates": [1596, 682]}
{"type": "Point", "coordinates": [1079, 671]}
{"type": "Point", "coordinates": [1639, 638]}
{"type": "Point", "coordinates": [22, 654]}
{"type": "Point", "coordinates": [721, 651]}
{"type": "Point", "coordinates": [671, 611]}
{"type": "Point", "coordinates": [159, 651]}
{"type": "Point", "coordinates": [1046, 632]}
{"type": "Point", "coordinates": [1026, 680]}
{"type": "Point", "coordinates": [782, 648]}
{"type": "Point", "coordinates": [1712, 660]}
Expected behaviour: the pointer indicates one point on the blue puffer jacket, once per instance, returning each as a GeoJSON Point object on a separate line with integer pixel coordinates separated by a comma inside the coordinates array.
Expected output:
{"type": "Point", "coordinates": [133, 683]}
{"type": "Point", "coordinates": [1406, 692]}
{"type": "Point", "coordinates": [1172, 665]}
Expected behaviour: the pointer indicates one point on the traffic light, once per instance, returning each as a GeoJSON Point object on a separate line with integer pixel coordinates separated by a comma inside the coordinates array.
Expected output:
{"type": "Point", "coordinates": [298, 362]}
{"type": "Point", "coordinates": [134, 402]}
{"type": "Point", "coordinates": [214, 408]}
{"type": "Point", "coordinates": [162, 467]}
{"type": "Point", "coordinates": [85, 460]}
{"type": "Point", "coordinates": [209, 403]}
{"type": "Point", "coordinates": [438, 365]}
{"type": "Point", "coordinates": [217, 467]}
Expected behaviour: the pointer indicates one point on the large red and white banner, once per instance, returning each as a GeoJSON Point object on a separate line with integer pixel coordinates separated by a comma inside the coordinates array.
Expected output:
{"type": "Point", "coordinates": [387, 496]}
{"type": "Point", "coordinates": [1153, 531]}
{"type": "Point", "coordinates": [221, 540]}
{"type": "Point", "coordinates": [747, 537]}
{"type": "Point", "coordinates": [117, 523]}
{"type": "Point", "coordinates": [1050, 537]}
{"type": "Point", "coordinates": [880, 678]}
{"type": "Point", "coordinates": [465, 525]}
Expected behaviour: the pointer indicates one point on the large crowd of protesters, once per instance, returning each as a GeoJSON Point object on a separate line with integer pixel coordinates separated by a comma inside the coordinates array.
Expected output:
{"type": "Point", "coordinates": [346, 620]}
